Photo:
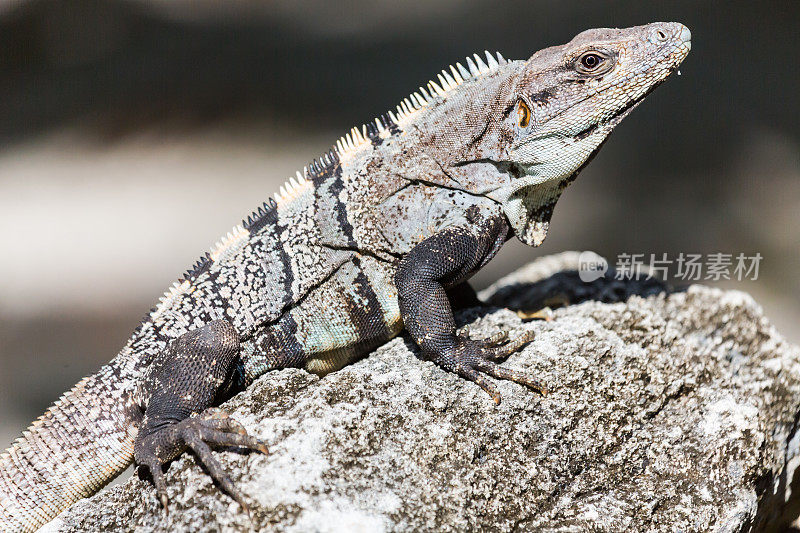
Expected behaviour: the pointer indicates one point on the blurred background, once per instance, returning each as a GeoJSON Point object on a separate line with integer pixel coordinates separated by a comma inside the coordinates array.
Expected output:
{"type": "Point", "coordinates": [133, 134]}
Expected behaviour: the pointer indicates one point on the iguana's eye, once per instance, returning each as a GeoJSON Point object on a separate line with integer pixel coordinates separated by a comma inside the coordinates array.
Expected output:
{"type": "Point", "coordinates": [523, 114]}
{"type": "Point", "coordinates": [592, 62]}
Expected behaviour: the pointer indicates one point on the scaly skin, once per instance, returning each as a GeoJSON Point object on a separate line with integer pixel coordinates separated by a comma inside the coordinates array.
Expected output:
{"type": "Point", "coordinates": [379, 234]}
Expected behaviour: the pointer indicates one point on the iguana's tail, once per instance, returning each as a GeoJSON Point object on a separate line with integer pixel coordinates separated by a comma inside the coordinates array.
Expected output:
{"type": "Point", "coordinates": [83, 441]}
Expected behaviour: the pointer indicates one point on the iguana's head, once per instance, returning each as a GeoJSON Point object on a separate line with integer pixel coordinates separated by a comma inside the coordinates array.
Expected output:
{"type": "Point", "coordinates": [566, 101]}
{"type": "Point", "coordinates": [534, 124]}
{"type": "Point", "coordinates": [568, 98]}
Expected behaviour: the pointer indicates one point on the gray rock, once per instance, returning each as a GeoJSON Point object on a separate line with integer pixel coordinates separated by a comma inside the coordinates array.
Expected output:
{"type": "Point", "coordinates": [673, 412]}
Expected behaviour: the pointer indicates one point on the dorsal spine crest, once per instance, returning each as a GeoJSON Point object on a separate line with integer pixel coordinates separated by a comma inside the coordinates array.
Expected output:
{"type": "Point", "coordinates": [384, 126]}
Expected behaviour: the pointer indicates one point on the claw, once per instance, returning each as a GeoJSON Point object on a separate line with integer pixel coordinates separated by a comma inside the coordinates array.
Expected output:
{"type": "Point", "coordinates": [158, 480]}
{"type": "Point", "coordinates": [164, 502]}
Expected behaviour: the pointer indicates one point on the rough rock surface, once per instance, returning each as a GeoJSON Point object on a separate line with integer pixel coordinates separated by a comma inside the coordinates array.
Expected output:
{"type": "Point", "coordinates": [673, 412]}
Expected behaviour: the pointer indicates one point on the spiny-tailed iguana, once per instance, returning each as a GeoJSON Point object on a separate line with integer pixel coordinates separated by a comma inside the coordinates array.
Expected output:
{"type": "Point", "coordinates": [380, 233]}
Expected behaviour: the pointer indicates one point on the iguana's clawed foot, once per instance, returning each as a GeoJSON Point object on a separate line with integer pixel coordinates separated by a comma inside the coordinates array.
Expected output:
{"type": "Point", "coordinates": [474, 359]}
{"type": "Point", "coordinates": [213, 428]}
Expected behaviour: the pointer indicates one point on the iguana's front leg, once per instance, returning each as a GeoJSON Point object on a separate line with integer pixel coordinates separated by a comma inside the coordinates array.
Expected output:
{"type": "Point", "coordinates": [437, 263]}
{"type": "Point", "coordinates": [183, 383]}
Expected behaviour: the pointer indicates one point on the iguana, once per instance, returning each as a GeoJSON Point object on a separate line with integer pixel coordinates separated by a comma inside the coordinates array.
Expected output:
{"type": "Point", "coordinates": [380, 233]}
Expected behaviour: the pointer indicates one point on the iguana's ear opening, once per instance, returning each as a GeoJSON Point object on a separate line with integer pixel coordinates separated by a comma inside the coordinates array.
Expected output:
{"type": "Point", "coordinates": [528, 205]}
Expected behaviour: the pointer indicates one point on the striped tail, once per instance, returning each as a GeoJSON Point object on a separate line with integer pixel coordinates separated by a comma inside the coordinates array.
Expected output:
{"type": "Point", "coordinates": [82, 442]}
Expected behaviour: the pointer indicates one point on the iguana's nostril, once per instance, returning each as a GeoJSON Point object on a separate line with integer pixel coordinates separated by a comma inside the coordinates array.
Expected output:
{"type": "Point", "coordinates": [661, 33]}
